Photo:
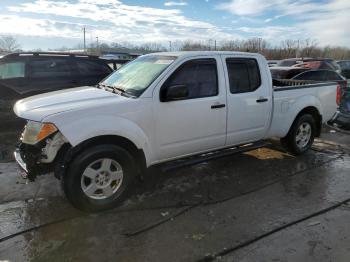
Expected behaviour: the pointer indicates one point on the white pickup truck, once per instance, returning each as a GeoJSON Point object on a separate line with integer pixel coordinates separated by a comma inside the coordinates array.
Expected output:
{"type": "Point", "coordinates": [162, 107]}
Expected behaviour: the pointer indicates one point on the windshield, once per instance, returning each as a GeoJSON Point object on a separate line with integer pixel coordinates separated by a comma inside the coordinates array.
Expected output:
{"type": "Point", "coordinates": [135, 77]}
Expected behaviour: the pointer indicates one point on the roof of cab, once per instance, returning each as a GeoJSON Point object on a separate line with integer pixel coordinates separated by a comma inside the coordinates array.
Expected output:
{"type": "Point", "coordinates": [206, 53]}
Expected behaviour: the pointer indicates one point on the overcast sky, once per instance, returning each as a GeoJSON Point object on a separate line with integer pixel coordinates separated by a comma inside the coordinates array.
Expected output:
{"type": "Point", "coordinates": [54, 23]}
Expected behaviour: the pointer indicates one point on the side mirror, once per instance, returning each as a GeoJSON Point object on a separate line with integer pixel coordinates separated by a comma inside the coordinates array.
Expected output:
{"type": "Point", "coordinates": [173, 93]}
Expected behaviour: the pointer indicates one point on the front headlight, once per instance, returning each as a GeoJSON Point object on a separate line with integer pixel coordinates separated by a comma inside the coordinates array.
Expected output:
{"type": "Point", "coordinates": [36, 131]}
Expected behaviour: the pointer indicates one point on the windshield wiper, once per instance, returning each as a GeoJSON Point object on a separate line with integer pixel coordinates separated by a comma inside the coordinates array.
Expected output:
{"type": "Point", "coordinates": [116, 90]}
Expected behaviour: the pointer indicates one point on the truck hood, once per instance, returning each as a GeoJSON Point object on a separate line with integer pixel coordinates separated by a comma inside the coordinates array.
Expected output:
{"type": "Point", "coordinates": [38, 107]}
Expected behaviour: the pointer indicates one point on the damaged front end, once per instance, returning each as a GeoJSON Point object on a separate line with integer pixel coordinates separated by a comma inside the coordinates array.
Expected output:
{"type": "Point", "coordinates": [38, 148]}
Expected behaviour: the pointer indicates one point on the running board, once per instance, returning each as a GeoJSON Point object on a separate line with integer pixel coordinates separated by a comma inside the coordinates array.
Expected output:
{"type": "Point", "coordinates": [189, 161]}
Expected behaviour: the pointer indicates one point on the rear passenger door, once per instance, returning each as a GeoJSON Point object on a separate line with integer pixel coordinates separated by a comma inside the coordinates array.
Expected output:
{"type": "Point", "coordinates": [91, 72]}
{"type": "Point", "coordinates": [249, 100]}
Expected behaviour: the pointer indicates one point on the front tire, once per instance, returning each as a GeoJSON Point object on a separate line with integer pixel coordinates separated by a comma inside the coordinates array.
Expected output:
{"type": "Point", "coordinates": [301, 135]}
{"type": "Point", "coordinates": [99, 178]}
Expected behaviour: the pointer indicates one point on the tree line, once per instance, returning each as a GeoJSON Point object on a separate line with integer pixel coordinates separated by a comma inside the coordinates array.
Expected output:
{"type": "Point", "coordinates": [285, 49]}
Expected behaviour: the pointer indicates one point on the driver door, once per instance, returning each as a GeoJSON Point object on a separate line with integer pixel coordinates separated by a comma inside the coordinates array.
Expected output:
{"type": "Point", "coordinates": [196, 123]}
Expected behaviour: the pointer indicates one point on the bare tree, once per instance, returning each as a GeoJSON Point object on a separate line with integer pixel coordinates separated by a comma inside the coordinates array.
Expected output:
{"type": "Point", "coordinates": [9, 43]}
{"type": "Point", "coordinates": [309, 48]}
{"type": "Point", "coordinates": [290, 47]}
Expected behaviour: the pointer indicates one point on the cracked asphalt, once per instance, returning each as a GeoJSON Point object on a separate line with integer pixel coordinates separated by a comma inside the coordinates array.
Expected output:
{"type": "Point", "coordinates": [262, 205]}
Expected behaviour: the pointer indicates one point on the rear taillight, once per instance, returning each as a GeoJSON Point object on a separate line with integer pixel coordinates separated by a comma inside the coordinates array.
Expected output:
{"type": "Point", "coordinates": [338, 98]}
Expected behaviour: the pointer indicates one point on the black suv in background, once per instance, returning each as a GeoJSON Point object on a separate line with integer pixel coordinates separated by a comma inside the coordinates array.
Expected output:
{"type": "Point", "coordinates": [27, 74]}
{"type": "Point", "coordinates": [311, 63]}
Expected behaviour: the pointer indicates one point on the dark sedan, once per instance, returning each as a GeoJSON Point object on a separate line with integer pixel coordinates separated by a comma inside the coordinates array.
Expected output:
{"type": "Point", "coordinates": [322, 75]}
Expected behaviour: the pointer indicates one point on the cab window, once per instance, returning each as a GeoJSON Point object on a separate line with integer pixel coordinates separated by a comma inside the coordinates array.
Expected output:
{"type": "Point", "coordinates": [243, 74]}
{"type": "Point", "coordinates": [198, 75]}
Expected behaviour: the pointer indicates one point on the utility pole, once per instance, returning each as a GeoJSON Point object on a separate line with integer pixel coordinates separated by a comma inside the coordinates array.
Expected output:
{"type": "Point", "coordinates": [170, 47]}
{"type": "Point", "coordinates": [209, 44]}
{"type": "Point", "coordinates": [84, 31]}
{"type": "Point", "coordinates": [215, 45]}
{"type": "Point", "coordinates": [297, 52]}
{"type": "Point", "coordinates": [97, 47]}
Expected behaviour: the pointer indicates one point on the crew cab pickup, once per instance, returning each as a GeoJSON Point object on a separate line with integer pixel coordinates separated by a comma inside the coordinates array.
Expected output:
{"type": "Point", "coordinates": [161, 107]}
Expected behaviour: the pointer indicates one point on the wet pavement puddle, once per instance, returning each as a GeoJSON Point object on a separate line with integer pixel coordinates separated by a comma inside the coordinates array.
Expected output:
{"type": "Point", "coordinates": [189, 212]}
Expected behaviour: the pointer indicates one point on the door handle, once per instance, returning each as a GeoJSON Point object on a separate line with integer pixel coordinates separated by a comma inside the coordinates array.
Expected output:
{"type": "Point", "coordinates": [217, 106]}
{"type": "Point", "coordinates": [262, 100]}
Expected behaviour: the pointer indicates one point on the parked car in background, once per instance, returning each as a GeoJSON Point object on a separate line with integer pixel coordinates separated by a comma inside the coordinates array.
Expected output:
{"type": "Point", "coordinates": [27, 74]}
{"type": "Point", "coordinates": [116, 64]}
{"type": "Point", "coordinates": [345, 68]}
{"type": "Point", "coordinates": [342, 118]}
{"type": "Point", "coordinates": [302, 73]}
{"type": "Point", "coordinates": [290, 61]}
{"type": "Point", "coordinates": [322, 76]}
{"type": "Point", "coordinates": [113, 61]}
{"type": "Point", "coordinates": [285, 72]}
{"type": "Point", "coordinates": [311, 63]}
{"type": "Point", "coordinates": [319, 64]}
{"type": "Point", "coordinates": [272, 63]}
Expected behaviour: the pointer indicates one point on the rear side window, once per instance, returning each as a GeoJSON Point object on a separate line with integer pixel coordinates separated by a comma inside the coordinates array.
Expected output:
{"type": "Point", "coordinates": [200, 77]}
{"type": "Point", "coordinates": [334, 65]}
{"type": "Point", "coordinates": [93, 68]}
{"type": "Point", "coordinates": [243, 74]}
{"type": "Point", "coordinates": [12, 70]}
{"type": "Point", "coordinates": [312, 75]}
{"type": "Point", "coordinates": [49, 67]}
{"type": "Point", "coordinates": [327, 65]}
{"type": "Point", "coordinates": [278, 74]}
{"type": "Point", "coordinates": [293, 73]}
{"type": "Point", "coordinates": [333, 76]}
{"type": "Point", "coordinates": [344, 64]}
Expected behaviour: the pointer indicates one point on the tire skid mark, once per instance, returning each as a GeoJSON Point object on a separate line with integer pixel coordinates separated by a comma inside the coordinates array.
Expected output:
{"type": "Point", "coordinates": [232, 249]}
{"type": "Point", "coordinates": [159, 222]}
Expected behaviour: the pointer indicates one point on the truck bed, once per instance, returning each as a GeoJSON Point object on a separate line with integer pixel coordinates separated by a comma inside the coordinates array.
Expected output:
{"type": "Point", "coordinates": [288, 84]}
{"type": "Point", "coordinates": [297, 93]}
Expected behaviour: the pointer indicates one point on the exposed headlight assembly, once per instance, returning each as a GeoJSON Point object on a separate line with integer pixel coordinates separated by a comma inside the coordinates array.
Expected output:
{"type": "Point", "coordinates": [36, 131]}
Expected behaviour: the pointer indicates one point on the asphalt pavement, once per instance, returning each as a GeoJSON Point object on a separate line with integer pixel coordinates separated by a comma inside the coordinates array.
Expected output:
{"type": "Point", "coordinates": [262, 205]}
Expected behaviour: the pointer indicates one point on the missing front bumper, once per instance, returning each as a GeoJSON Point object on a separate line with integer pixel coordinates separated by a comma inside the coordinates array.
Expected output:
{"type": "Point", "coordinates": [27, 158]}
{"type": "Point", "coordinates": [20, 161]}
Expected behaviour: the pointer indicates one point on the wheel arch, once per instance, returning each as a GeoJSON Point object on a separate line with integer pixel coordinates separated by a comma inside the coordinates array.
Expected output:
{"type": "Point", "coordinates": [67, 153]}
{"type": "Point", "coordinates": [311, 110]}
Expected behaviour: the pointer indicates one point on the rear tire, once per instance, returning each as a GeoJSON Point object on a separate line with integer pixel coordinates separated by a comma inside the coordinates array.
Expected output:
{"type": "Point", "coordinates": [301, 135]}
{"type": "Point", "coordinates": [99, 178]}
